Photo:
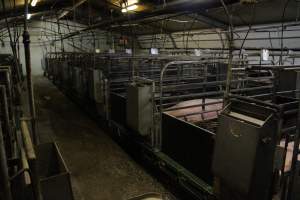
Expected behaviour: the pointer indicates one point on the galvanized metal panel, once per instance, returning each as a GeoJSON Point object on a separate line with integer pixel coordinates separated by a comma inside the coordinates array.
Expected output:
{"type": "Point", "coordinates": [140, 108]}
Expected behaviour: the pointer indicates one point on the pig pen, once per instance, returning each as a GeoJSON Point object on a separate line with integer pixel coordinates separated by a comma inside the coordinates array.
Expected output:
{"type": "Point", "coordinates": [189, 113]}
{"type": "Point", "coordinates": [188, 131]}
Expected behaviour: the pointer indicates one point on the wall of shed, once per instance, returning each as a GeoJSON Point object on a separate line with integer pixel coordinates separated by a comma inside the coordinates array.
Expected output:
{"type": "Point", "coordinates": [42, 35]}
{"type": "Point", "coordinates": [263, 36]}
{"type": "Point", "coordinates": [259, 37]}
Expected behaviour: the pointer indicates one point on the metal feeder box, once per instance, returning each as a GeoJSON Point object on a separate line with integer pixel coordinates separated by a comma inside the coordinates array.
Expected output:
{"type": "Point", "coordinates": [244, 149]}
{"type": "Point", "coordinates": [139, 108]}
{"type": "Point", "coordinates": [54, 175]}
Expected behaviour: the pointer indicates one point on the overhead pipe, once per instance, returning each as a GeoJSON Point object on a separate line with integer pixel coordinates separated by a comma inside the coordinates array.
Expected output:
{"type": "Point", "coordinates": [184, 6]}
{"type": "Point", "coordinates": [68, 10]}
{"type": "Point", "coordinates": [194, 5]}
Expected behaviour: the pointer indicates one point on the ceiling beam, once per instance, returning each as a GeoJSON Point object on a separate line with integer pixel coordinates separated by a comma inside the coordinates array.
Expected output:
{"type": "Point", "coordinates": [70, 9]}
{"type": "Point", "coordinates": [179, 6]}
{"type": "Point", "coordinates": [204, 18]}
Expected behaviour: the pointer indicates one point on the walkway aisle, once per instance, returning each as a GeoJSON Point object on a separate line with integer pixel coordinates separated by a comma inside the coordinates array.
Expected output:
{"type": "Point", "coordinates": [100, 169]}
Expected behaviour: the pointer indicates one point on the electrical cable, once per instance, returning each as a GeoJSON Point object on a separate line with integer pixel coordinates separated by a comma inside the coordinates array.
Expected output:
{"type": "Point", "coordinates": [271, 44]}
{"type": "Point", "coordinates": [250, 26]}
{"type": "Point", "coordinates": [230, 39]}
{"type": "Point", "coordinates": [282, 30]}
{"type": "Point", "coordinates": [183, 36]}
{"type": "Point", "coordinates": [222, 41]}
{"type": "Point", "coordinates": [188, 34]}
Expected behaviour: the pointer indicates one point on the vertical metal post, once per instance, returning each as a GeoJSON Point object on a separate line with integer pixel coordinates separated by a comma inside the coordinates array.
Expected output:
{"type": "Point", "coordinates": [230, 37]}
{"type": "Point", "coordinates": [294, 175]}
{"type": "Point", "coordinates": [5, 190]}
{"type": "Point", "coordinates": [229, 73]}
{"type": "Point", "coordinates": [26, 41]}
{"type": "Point", "coordinates": [59, 32]}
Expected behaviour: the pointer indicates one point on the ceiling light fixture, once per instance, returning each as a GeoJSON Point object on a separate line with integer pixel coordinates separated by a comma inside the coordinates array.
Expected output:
{"type": "Point", "coordinates": [28, 16]}
{"type": "Point", "coordinates": [133, 7]}
{"type": "Point", "coordinates": [33, 3]}
{"type": "Point", "coordinates": [130, 5]}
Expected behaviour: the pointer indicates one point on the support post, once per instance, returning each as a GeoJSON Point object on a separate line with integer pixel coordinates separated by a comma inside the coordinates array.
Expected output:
{"type": "Point", "coordinates": [294, 167]}
{"type": "Point", "coordinates": [26, 40]}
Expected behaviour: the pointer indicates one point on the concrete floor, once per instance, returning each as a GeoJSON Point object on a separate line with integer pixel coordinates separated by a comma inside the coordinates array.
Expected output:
{"type": "Point", "coordinates": [100, 169]}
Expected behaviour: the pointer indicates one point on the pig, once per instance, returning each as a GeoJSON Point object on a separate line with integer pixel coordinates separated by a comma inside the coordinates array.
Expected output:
{"type": "Point", "coordinates": [193, 114]}
{"type": "Point", "coordinates": [289, 155]}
